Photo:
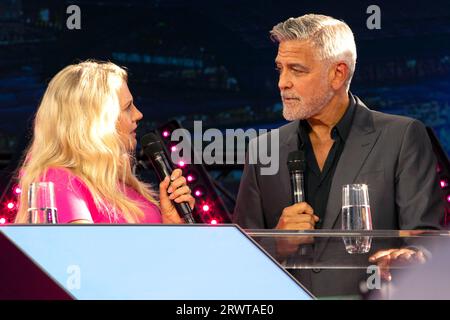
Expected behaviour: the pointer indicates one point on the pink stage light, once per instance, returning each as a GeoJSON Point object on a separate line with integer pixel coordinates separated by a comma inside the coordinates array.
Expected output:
{"type": "Point", "coordinates": [443, 183]}
{"type": "Point", "coordinates": [205, 208]}
{"type": "Point", "coordinates": [10, 205]}
{"type": "Point", "coordinates": [166, 134]}
{"type": "Point", "coordinates": [199, 192]}
{"type": "Point", "coordinates": [17, 190]}
{"type": "Point", "coordinates": [181, 164]}
{"type": "Point", "coordinates": [213, 221]}
{"type": "Point", "coordinates": [2, 220]}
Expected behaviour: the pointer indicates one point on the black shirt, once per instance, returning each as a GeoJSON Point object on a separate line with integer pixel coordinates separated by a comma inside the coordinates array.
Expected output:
{"type": "Point", "coordinates": [317, 183]}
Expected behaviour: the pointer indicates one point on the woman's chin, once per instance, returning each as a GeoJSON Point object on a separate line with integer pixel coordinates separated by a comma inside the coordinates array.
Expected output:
{"type": "Point", "coordinates": [131, 144]}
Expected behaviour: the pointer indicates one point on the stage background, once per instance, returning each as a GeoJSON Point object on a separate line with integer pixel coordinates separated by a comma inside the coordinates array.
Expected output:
{"type": "Point", "coordinates": [213, 61]}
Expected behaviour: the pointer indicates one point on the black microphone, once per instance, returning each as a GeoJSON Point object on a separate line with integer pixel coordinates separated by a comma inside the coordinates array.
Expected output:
{"type": "Point", "coordinates": [296, 165]}
{"type": "Point", "coordinates": [154, 150]}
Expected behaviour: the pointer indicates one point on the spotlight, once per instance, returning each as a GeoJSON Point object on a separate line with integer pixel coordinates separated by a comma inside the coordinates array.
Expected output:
{"type": "Point", "coordinates": [10, 205]}
{"type": "Point", "coordinates": [444, 183]}
{"type": "Point", "coordinates": [205, 208]}
{"type": "Point", "coordinates": [173, 148]}
{"type": "Point", "coordinates": [2, 220]}
{"type": "Point", "coordinates": [448, 198]}
{"type": "Point", "coordinates": [17, 190]}
{"type": "Point", "coordinates": [166, 134]}
{"type": "Point", "coordinates": [190, 177]}
{"type": "Point", "coordinates": [181, 164]}
{"type": "Point", "coordinates": [213, 221]}
{"type": "Point", "coordinates": [199, 192]}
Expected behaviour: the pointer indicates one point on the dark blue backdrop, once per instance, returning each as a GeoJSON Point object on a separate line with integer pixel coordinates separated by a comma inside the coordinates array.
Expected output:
{"type": "Point", "coordinates": [213, 60]}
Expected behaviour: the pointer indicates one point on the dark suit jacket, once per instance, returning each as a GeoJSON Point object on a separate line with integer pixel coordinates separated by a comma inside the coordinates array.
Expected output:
{"type": "Point", "coordinates": [391, 154]}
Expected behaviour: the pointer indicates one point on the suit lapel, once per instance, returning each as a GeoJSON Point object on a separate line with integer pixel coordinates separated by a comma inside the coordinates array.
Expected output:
{"type": "Point", "coordinates": [360, 142]}
{"type": "Point", "coordinates": [291, 144]}
{"type": "Point", "coordinates": [355, 152]}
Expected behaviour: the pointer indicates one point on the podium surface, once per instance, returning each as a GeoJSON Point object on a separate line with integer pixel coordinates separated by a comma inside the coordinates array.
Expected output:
{"type": "Point", "coordinates": [320, 261]}
{"type": "Point", "coordinates": [182, 262]}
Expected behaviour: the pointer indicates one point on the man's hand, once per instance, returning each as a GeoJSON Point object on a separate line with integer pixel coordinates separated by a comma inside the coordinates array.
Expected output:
{"type": "Point", "coordinates": [288, 245]}
{"type": "Point", "coordinates": [385, 259]}
{"type": "Point", "coordinates": [299, 216]}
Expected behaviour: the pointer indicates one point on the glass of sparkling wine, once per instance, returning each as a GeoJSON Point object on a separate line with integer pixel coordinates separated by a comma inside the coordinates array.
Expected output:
{"type": "Point", "coordinates": [41, 203]}
{"type": "Point", "coordinates": [356, 217]}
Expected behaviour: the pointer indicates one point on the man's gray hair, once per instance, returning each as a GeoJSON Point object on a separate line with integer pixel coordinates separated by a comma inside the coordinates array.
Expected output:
{"type": "Point", "coordinates": [333, 38]}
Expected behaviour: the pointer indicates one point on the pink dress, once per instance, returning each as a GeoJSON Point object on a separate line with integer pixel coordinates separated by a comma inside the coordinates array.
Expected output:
{"type": "Point", "coordinates": [74, 201]}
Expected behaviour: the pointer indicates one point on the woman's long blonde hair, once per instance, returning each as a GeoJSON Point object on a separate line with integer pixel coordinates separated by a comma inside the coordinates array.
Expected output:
{"type": "Point", "coordinates": [75, 129]}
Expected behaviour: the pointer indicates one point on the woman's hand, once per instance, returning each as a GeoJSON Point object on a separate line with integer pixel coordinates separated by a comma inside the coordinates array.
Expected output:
{"type": "Point", "coordinates": [177, 190]}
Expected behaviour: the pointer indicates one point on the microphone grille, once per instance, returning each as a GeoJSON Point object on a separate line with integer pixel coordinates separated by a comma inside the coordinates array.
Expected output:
{"type": "Point", "coordinates": [296, 161]}
{"type": "Point", "coordinates": [148, 138]}
{"type": "Point", "coordinates": [151, 144]}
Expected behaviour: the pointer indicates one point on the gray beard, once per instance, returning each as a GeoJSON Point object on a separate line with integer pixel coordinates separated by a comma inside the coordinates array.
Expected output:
{"type": "Point", "coordinates": [301, 111]}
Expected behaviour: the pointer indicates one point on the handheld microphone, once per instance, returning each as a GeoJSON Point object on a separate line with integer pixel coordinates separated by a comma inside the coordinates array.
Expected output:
{"type": "Point", "coordinates": [296, 165]}
{"type": "Point", "coordinates": [154, 150]}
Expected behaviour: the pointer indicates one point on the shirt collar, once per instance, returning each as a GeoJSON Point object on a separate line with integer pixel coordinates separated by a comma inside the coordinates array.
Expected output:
{"type": "Point", "coordinates": [344, 125]}
{"type": "Point", "coordinates": [342, 128]}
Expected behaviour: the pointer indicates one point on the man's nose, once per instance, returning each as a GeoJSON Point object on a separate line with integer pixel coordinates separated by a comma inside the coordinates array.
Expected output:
{"type": "Point", "coordinates": [284, 82]}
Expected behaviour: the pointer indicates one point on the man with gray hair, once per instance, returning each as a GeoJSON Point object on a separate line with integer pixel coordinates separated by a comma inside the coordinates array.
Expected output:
{"type": "Point", "coordinates": [344, 142]}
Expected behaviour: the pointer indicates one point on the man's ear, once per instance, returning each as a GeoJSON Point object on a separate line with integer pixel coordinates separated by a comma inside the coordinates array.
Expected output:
{"type": "Point", "coordinates": [339, 75]}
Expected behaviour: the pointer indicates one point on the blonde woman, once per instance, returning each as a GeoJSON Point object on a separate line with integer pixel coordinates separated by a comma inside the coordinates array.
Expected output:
{"type": "Point", "coordinates": [84, 135]}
